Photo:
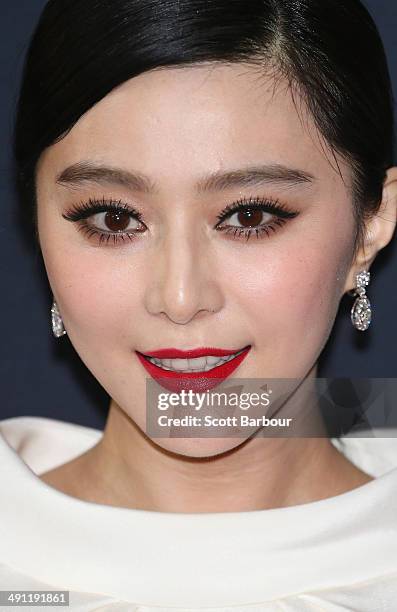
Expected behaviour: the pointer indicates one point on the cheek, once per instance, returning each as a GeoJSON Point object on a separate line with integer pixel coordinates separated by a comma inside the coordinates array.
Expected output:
{"type": "Point", "coordinates": [289, 290]}
{"type": "Point", "coordinates": [98, 292]}
{"type": "Point", "coordinates": [289, 296]}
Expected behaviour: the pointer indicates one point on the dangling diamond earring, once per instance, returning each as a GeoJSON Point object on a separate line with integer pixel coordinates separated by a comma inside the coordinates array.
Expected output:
{"type": "Point", "coordinates": [57, 324]}
{"type": "Point", "coordinates": [361, 313]}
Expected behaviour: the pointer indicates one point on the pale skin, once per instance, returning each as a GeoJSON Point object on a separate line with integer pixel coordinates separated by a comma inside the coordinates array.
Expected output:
{"type": "Point", "coordinates": [183, 284]}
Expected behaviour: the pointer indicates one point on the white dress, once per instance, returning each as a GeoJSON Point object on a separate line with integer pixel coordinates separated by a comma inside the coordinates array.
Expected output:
{"type": "Point", "coordinates": [335, 555]}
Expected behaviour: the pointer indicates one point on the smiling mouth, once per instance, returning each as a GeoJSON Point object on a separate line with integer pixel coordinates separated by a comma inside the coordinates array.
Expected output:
{"type": "Point", "coordinates": [197, 371]}
{"type": "Point", "coordinates": [192, 365]}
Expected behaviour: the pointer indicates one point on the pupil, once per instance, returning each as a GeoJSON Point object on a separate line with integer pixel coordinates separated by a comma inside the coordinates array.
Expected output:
{"type": "Point", "coordinates": [117, 221]}
{"type": "Point", "coordinates": [250, 217]}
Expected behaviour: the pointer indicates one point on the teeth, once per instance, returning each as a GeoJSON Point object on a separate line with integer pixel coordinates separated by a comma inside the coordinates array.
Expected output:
{"type": "Point", "coordinates": [212, 360]}
{"type": "Point", "coordinates": [198, 364]}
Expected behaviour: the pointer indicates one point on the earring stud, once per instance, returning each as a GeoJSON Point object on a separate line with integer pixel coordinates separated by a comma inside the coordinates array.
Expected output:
{"type": "Point", "coordinates": [361, 312]}
{"type": "Point", "coordinates": [56, 321]}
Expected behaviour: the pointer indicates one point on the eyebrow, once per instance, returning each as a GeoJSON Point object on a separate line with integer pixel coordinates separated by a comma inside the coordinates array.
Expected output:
{"type": "Point", "coordinates": [89, 172]}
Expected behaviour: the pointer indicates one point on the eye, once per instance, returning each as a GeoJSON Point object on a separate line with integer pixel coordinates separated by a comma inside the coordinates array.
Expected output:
{"type": "Point", "coordinates": [109, 220]}
{"type": "Point", "coordinates": [257, 216]}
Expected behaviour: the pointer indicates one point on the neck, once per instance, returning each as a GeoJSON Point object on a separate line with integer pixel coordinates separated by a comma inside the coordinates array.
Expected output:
{"type": "Point", "coordinates": [131, 470]}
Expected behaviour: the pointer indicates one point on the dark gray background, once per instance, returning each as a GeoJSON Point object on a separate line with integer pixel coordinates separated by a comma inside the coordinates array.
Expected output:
{"type": "Point", "coordinates": [40, 375]}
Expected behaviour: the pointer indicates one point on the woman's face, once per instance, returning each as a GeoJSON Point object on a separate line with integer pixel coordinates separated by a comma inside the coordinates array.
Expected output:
{"type": "Point", "coordinates": [173, 278]}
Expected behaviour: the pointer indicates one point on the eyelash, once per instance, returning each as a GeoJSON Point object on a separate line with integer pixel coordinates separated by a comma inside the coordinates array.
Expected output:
{"type": "Point", "coordinates": [83, 210]}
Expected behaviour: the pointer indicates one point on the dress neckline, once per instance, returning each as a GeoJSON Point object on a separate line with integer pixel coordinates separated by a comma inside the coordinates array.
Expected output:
{"type": "Point", "coordinates": [276, 550]}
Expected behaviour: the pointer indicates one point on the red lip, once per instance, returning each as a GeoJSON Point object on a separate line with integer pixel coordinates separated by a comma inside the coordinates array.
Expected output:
{"type": "Point", "coordinates": [197, 381]}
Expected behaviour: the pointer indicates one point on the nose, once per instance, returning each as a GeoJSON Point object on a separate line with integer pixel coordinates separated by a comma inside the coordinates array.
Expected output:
{"type": "Point", "coordinates": [183, 284]}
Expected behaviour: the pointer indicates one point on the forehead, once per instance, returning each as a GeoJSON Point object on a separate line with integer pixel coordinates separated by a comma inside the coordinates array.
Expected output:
{"type": "Point", "coordinates": [192, 119]}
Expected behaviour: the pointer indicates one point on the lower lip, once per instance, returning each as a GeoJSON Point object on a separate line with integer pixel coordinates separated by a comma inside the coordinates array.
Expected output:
{"type": "Point", "coordinates": [196, 381]}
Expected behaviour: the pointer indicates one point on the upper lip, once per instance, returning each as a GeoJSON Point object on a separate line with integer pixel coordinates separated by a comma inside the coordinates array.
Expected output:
{"type": "Point", "coordinates": [173, 353]}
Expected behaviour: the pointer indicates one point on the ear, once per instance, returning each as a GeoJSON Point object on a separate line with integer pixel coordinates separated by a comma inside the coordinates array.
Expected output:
{"type": "Point", "coordinates": [379, 230]}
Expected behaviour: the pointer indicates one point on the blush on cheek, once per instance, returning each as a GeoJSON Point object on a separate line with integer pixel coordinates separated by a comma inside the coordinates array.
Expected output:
{"type": "Point", "coordinates": [311, 305]}
{"type": "Point", "coordinates": [291, 307]}
{"type": "Point", "coordinates": [86, 292]}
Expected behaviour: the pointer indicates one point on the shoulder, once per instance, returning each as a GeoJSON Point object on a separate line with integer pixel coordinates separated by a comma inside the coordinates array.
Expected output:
{"type": "Point", "coordinates": [373, 451]}
{"type": "Point", "coordinates": [378, 593]}
{"type": "Point", "coordinates": [12, 579]}
{"type": "Point", "coordinates": [44, 443]}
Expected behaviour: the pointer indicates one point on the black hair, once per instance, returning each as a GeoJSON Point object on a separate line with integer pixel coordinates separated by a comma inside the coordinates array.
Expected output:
{"type": "Point", "coordinates": [329, 51]}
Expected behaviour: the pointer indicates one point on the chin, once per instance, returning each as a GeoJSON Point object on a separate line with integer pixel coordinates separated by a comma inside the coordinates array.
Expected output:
{"type": "Point", "coordinates": [199, 447]}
